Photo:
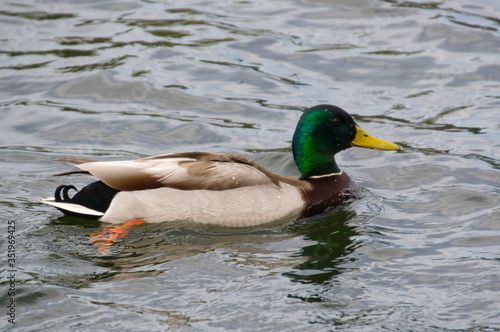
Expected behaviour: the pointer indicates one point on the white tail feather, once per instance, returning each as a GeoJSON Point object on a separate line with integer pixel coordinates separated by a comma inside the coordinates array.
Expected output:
{"type": "Point", "coordinates": [71, 207]}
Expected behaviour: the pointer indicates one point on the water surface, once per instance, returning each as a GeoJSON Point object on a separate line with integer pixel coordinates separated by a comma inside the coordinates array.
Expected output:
{"type": "Point", "coordinates": [126, 79]}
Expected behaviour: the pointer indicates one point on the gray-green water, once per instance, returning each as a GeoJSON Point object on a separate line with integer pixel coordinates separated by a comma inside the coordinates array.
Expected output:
{"type": "Point", "coordinates": [420, 251]}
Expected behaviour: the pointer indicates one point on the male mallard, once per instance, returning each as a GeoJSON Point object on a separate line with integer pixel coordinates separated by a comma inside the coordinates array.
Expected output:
{"type": "Point", "coordinates": [220, 189]}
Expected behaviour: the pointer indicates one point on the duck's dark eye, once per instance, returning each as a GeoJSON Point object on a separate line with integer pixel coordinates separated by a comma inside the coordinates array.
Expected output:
{"type": "Point", "coordinates": [335, 121]}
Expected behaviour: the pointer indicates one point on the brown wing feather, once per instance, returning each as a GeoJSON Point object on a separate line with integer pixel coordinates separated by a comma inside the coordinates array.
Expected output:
{"type": "Point", "coordinates": [186, 171]}
{"type": "Point", "coordinates": [75, 161]}
{"type": "Point", "coordinates": [206, 163]}
{"type": "Point", "coordinates": [70, 173]}
{"type": "Point", "coordinates": [119, 177]}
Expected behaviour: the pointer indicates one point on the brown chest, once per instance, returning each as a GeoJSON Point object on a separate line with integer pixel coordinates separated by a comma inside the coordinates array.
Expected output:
{"type": "Point", "coordinates": [327, 192]}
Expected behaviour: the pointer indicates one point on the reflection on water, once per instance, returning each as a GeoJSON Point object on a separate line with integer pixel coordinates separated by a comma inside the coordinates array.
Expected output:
{"type": "Point", "coordinates": [329, 240]}
{"type": "Point", "coordinates": [332, 242]}
{"type": "Point", "coordinates": [122, 80]}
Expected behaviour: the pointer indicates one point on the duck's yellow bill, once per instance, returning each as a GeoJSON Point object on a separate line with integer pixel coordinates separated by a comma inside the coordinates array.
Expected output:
{"type": "Point", "coordinates": [364, 140]}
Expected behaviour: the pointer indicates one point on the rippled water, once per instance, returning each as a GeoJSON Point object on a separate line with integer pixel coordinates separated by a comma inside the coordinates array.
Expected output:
{"type": "Point", "coordinates": [116, 79]}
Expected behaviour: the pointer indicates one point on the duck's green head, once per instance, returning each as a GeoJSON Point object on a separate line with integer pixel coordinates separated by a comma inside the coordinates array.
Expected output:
{"type": "Point", "coordinates": [324, 130]}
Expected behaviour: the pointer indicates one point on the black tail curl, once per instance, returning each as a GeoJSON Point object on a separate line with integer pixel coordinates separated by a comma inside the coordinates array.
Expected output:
{"type": "Point", "coordinates": [64, 189]}
{"type": "Point", "coordinates": [96, 196]}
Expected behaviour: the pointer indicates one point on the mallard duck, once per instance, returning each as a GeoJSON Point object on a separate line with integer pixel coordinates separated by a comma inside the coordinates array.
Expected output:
{"type": "Point", "coordinates": [222, 189]}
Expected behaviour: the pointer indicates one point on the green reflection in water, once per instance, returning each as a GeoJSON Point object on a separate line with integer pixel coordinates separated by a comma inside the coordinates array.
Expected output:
{"type": "Point", "coordinates": [37, 15]}
{"type": "Point", "coordinates": [334, 242]}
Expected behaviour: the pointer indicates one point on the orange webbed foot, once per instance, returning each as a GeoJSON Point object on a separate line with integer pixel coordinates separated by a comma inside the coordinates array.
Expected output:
{"type": "Point", "coordinates": [103, 238]}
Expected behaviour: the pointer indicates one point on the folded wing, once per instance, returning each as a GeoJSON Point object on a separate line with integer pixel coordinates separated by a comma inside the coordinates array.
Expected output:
{"type": "Point", "coordinates": [187, 171]}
